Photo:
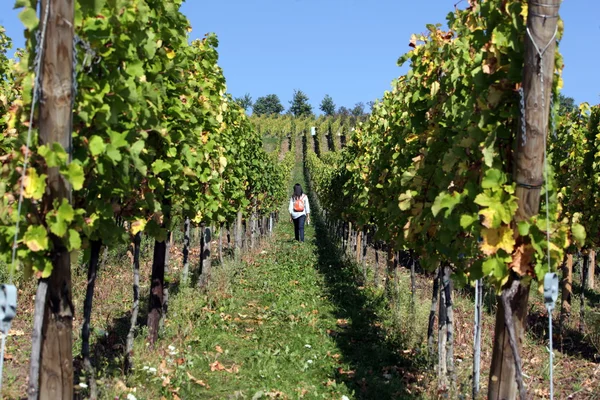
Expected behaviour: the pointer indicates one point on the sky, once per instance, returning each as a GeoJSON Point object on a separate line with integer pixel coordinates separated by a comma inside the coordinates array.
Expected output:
{"type": "Point", "coordinates": [345, 48]}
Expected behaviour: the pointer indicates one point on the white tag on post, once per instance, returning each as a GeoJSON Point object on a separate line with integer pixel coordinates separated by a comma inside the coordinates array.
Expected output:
{"type": "Point", "coordinates": [8, 306]}
{"type": "Point", "coordinates": [550, 289]}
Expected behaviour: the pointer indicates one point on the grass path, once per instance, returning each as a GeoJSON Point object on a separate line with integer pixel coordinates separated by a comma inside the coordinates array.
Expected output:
{"type": "Point", "coordinates": [288, 322]}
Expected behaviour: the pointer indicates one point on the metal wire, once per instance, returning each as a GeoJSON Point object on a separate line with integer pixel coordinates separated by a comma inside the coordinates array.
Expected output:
{"type": "Point", "coordinates": [543, 15]}
{"type": "Point", "coordinates": [41, 36]}
{"type": "Point", "coordinates": [551, 351]}
{"type": "Point", "coordinates": [545, 5]}
{"type": "Point", "coordinates": [36, 93]}
{"type": "Point", "coordinates": [477, 337]}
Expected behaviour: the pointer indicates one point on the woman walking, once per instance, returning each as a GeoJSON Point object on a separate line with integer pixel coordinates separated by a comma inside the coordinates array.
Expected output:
{"type": "Point", "coordinates": [299, 211]}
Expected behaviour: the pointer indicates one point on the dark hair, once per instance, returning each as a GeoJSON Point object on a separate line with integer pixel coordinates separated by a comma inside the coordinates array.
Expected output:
{"type": "Point", "coordinates": [297, 191]}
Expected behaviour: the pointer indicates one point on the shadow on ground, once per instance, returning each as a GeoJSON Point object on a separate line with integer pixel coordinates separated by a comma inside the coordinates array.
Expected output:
{"type": "Point", "coordinates": [573, 343]}
{"type": "Point", "coordinates": [380, 369]}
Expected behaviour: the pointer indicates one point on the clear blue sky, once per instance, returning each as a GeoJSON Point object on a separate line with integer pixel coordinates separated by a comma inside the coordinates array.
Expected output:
{"type": "Point", "coordinates": [346, 48]}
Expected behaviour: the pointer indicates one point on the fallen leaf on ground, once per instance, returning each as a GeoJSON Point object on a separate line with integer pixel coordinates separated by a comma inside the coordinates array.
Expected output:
{"type": "Point", "coordinates": [197, 381]}
{"type": "Point", "coordinates": [218, 349]}
{"type": "Point", "coordinates": [216, 366]}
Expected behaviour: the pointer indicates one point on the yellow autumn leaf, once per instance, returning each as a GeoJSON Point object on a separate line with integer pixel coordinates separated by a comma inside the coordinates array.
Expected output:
{"type": "Point", "coordinates": [495, 239]}
{"type": "Point", "coordinates": [524, 10]}
{"type": "Point", "coordinates": [222, 163]}
{"type": "Point", "coordinates": [34, 185]}
{"type": "Point", "coordinates": [138, 226]}
{"type": "Point", "coordinates": [435, 88]}
{"type": "Point", "coordinates": [170, 54]}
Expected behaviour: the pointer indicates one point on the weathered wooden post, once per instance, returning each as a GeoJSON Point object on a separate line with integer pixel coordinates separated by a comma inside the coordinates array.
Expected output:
{"type": "Point", "coordinates": [528, 173]}
{"type": "Point", "coordinates": [238, 234]}
{"type": "Point", "coordinates": [567, 292]}
{"type": "Point", "coordinates": [205, 256]}
{"type": "Point", "coordinates": [186, 250]}
{"type": "Point", "coordinates": [591, 270]}
{"type": "Point", "coordinates": [51, 369]}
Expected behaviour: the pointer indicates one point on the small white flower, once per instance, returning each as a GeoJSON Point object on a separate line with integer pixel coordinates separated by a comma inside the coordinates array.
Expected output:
{"type": "Point", "coordinates": [145, 367]}
{"type": "Point", "coordinates": [152, 370]}
{"type": "Point", "coordinates": [308, 346]}
{"type": "Point", "coordinates": [309, 361]}
{"type": "Point", "coordinates": [83, 385]}
{"type": "Point", "coordinates": [171, 347]}
{"type": "Point", "coordinates": [131, 397]}
{"type": "Point", "coordinates": [344, 397]}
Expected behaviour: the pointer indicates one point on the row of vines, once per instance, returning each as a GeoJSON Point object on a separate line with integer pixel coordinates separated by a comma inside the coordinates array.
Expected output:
{"type": "Point", "coordinates": [435, 171]}
{"type": "Point", "coordinates": [156, 140]}
{"type": "Point", "coordinates": [330, 132]}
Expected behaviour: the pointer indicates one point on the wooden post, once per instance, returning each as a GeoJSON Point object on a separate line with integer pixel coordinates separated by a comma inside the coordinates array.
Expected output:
{"type": "Point", "coordinates": [591, 270]}
{"type": "Point", "coordinates": [96, 246]}
{"type": "Point", "coordinates": [155, 303]}
{"type": "Point", "coordinates": [434, 304]}
{"type": "Point", "coordinates": [567, 292]}
{"type": "Point", "coordinates": [349, 238]}
{"type": "Point", "coordinates": [136, 301]}
{"type": "Point", "coordinates": [528, 173]}
{"type": "Point", "coordinates": [358, 245]}
{"type": "Point", "coordinates": [390, 270]}
{"type": "Point", "coordinates": [584, 268]}
{"type": "Point", "coordinates": [166, 281]}
{"type": "Point", "coordinates": [205, 257]}
{"type": "Point", "coordinates": [253, 224]}
{"type": "Point", "coordinates": [376, 247]}
{"type": "Point", "coordinates": [442, 335]}
{"type": "Point", "coordinates": [447, 288]}
{"type": "Point", "coordinates": [53, 369]}
{"type": "Point", "coordinates": [186, 250]}
{"type": "Point", "coordinates": [238, 234]}
{"type": "Point", "coordinates": [221, 226]}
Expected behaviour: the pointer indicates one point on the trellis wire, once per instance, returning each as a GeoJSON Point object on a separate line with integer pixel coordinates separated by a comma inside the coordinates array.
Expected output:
{"type": "Point", "coordinates": [40, 36]}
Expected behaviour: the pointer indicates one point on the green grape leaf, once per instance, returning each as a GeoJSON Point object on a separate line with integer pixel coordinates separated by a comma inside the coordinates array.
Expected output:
{"type": "Point", "coordinates": [29, 18]}
{"type": "Point", "coordinates": [55, 157]}
{"type": "Point", "coordinates": [493, 178]}
{"type": "Point", "coordinates": [75, 175]}
{"type": "Point", "coordinates": [467, 220]}
{"type": "Point", "coordinates": [74, 240]}
{"type": "Point", "coordinates": [523, 227]}
{"type": "Point", "coordinates": [36, 238]}
{"type": "Point", "coordinates": [445, 200]}
{"type": "Point", "coordinates": [97, 145]}
{"type": "Point", "coordinates": [579, 233]}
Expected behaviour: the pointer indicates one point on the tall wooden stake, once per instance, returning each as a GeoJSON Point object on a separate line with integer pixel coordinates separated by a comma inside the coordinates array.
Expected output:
{"type": "Point", "coordinates": [591, 270]}
{"type": "Point", "coordinates": [186, 250]}
{"type": "Point", "coordinates": [205, 257]}
{"type": "Point", "coordinates": [529, 175]}
{"type": "Point", "coordinates": [567, 293]}
{"type": "Point", "coordinates": [54, 371]}
{"type": "Point", "coordinates": [137, 241]}
{"type": "Point", "coordinates": [238, 234]}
